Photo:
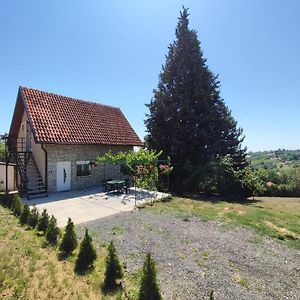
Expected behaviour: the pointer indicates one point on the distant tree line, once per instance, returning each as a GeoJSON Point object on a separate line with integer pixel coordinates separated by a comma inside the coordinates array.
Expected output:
{"type": "Point", "coordinates": [279, 170]}
{"type": "Point", "coordinates": [280, 184]}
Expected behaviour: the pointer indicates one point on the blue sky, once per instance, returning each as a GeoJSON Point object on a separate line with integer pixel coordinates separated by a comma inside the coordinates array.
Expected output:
{"type": "Point", "coordinates": [112, 52]}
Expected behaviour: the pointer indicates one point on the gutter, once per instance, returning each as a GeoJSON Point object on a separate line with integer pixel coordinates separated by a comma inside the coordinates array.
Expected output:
{"type": "Point", "coordinates": [46, 167]}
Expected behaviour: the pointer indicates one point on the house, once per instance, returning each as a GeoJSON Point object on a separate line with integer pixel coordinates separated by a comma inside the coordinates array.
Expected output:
{"type": "Point", "coordinates": [54, 140]}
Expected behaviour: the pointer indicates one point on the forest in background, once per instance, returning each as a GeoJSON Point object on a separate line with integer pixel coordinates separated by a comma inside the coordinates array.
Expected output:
{"type": "Point", "coordinates": [279, 170]}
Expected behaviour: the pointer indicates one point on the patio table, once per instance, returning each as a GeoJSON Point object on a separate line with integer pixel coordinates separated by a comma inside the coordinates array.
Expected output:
{"type": "Point", "coordinates": [116, 185]}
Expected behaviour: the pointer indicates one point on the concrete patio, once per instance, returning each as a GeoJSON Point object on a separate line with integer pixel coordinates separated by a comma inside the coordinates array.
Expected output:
{"type": "Point", "coordinates": [92, 204]}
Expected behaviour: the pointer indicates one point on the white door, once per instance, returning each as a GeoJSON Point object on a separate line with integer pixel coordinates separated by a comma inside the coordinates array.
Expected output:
{"type": "Point", "coordinates": [63, 176]}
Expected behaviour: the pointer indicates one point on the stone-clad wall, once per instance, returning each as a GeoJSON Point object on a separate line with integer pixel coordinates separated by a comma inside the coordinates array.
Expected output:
{"type": "Point", "coordinates": [74, 153]}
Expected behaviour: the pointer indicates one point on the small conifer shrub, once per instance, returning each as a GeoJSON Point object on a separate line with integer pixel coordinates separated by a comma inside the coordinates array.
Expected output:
{"type": "Point", "coordinates": [149, 289]}
{"type": "Point", "coordinates": [69, 240]}
{"type": "Point", "coordinates": [7, 199]}
{"type": "Point", "coordinates": [52, 231]}
{"type": "Point", "coordinates": [13, 203]}
{"type": "Point", "coordinates": [24, 214]}
{"type": "Point", "coordinates": [113, 270]}
{"type": "Point", "coordinates": [16, 206]}
{"type": "Point", "coordinates": [43, 221]}
{"type": "Point", "coordinates": [87, 254]}
{"type": "Point", "coordinates": [33, 217]}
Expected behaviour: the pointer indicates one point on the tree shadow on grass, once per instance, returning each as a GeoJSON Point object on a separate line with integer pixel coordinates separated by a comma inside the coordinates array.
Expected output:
{"type": "Point", "coordinates": [83, 270]}
{"type": "Point", "coordinates": [215, 198]}
{"type": "Point", "coordinates": [63, 256]}
{"type": "Point", "coordinates": [40, 233]}
{"type": "Point", "coordinates": [118, 289]}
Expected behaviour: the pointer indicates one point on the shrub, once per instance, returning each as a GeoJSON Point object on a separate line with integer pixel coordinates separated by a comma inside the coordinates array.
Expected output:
{"type": "Point", "coordinates": [16, 206]}
{"type": "Point", "coordinates": [69, 240]}
{"type": "Point", "coordinates": [113, 270]}
{"type": "Point", "coordinates": [2, 197]}
{"type": "Point", "coordinates": [33, 217]}
{"type": "Point", "coordinates": [149, 288]}
{"type": "Point", "coordinates": [13, 203]}
{"type": "Point", "coordinates": [87, 254]}
{"type": "Point", "coordinates": [24, 214]}
{"type": "Point", "coordinates": [6, 199]}
{"type": "Point", "coordinates": [52, 231]}
{"type": "Point", "coordinates": [43, 221]}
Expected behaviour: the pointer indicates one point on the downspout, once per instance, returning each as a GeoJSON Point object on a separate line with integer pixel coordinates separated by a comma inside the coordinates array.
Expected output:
{"type": "Point", "coordinates": [46, 167]}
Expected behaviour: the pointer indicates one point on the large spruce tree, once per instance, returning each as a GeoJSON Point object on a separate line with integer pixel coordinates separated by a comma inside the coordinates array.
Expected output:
{"type": "Point", "coordinates": [187, 118]}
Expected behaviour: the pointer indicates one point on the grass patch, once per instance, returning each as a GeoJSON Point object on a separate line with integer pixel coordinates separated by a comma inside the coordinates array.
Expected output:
{"type": "Point", "coordinates": [242, 281]}
{"type": "Point", "coordinates": [275, 217]}
{"type": "Point", "coordinates": [29, 271]}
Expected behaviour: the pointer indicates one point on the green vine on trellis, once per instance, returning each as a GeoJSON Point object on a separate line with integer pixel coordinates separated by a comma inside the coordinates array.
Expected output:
{"type": "Point", "coordinates": [143, 165]}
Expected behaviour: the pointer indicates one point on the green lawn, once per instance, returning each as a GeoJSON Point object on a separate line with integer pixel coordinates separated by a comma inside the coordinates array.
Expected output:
{"type": "Point", "coordinates": [276, 217]}
{"type": "Point", "coordinates": [31, 269]}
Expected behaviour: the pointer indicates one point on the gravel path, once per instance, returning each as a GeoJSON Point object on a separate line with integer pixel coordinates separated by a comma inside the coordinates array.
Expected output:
{"type": "Point", "coordinates": [193, 257]}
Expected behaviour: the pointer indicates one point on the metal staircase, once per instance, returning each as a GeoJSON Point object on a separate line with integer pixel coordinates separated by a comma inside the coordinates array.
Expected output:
{"type": "Point", "coordinates": [35, 185]}
{"type": "Point", "coordinates": [31, 184]}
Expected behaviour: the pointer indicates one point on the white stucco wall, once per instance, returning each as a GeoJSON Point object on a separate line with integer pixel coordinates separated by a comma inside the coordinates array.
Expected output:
{"type": "Point", "coordinates": [11, 177]}
{"type": "Point", "coordinates": [22, 133]}
{"type": "Point", "coordinates": [39, 157]}
{"type": "Point", "coordinates": [37, 151]}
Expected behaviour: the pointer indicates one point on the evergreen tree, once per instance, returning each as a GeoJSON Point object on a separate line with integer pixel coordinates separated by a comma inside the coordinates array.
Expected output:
{"type": "Point", "coordinates": [33, 217]}
{"type": "Point", "coordinates": [187, 118]}
{"type": "Point", "coordinates": [16, 206]}
{"type": "Point", "coordinates": [13, 203]}
{"type": "Point", "coordinates": [69, 240]}
{"type": "Point", "coordinates": [113, 270]}
{"type": "Point", "coordinates": [149, 289]}
{"type": "Point", "coordinates": [87, 254]}
{"type": "Point", "coordinates": [52, 231]}
{"type": "Point", "coordinates": [7, 199]}
{"type": "Point", "coordinates": [43, 221]}
{"type": "Point", "coordinates": [24, 214]}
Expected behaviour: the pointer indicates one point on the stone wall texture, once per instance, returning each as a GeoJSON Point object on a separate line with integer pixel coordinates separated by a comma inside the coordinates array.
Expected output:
{"type": "Point", "coordinates": [73, 153]}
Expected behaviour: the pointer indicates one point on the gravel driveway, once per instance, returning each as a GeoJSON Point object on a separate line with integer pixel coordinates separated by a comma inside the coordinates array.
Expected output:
{"type": "Point", "coordinates": [193, 257]}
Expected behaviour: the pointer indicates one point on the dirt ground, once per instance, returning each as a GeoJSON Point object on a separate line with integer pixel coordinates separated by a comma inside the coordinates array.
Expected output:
{"type": "Point", "coordinates": [195, 256]}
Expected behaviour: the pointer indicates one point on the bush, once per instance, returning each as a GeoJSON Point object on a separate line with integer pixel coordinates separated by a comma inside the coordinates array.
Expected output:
{"type": "Point", "coordinates": [52, 231]}
{"type": "Point", "coordinates": [24, 214]}
{"type": "Point", "coordinates": [87, 254]}
{"type": "Point", "coordinates": [149, 289]}
{"type": "Point", "coordinates": [282, 190]}
{"type": "Point", "coordinates": [69, 240]}
{"type": "Point", "coordinates": [113, 270]}
{"type": "Point", "coordinates": [2, 198]}
{"type": "Point", "coordinates": [6, 199]}
{"type": "Point", "coordinates": [231, 181]}
{"type": "Point", "coordinates": [43, 221]}
{"type": "Point", "coordinates": [16, 206]}
{"type": "Point", "coordinates": [33, 217]}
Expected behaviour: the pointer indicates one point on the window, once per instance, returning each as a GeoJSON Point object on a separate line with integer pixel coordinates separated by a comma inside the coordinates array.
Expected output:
{"type": "Point", "coordinates": [83, 168]}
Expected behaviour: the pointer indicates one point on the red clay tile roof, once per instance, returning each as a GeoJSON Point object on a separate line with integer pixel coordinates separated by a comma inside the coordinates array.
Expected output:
{"type": "Point", "coordinates": [64, 120]}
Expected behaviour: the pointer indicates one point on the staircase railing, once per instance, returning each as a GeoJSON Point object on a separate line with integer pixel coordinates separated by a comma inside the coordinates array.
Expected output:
{"type": "Point", "coordinates": [21, 159]}
{"type": "Point", "coordinates": [16, 144]}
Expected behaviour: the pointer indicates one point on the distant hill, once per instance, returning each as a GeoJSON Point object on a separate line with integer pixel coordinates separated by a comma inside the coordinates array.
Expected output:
{"type": "Point", "coordinates": [281, 159]}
